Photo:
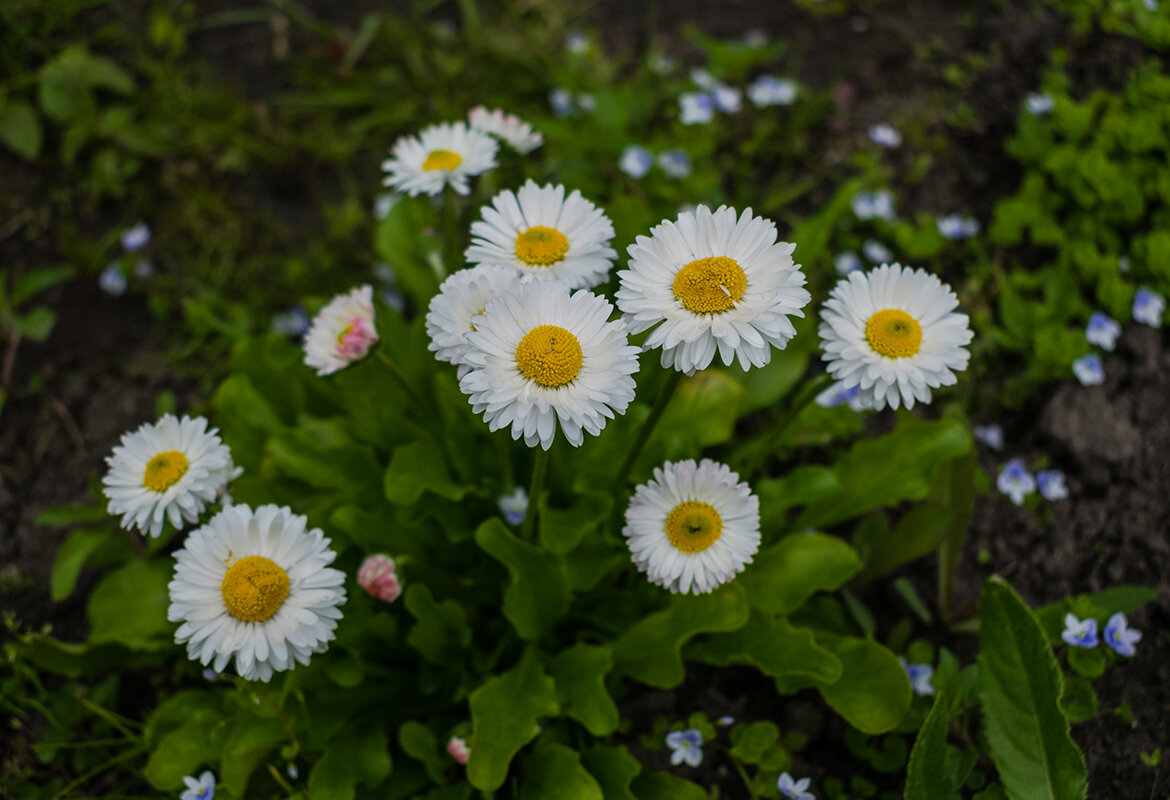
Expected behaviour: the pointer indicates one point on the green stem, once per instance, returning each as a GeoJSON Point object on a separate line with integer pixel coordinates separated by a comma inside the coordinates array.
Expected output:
{"type": "Point", "coordinates": [397, 375]}
{"type": "Point", "coordinates": [672, 382]}
{"type": "Point", "coordinates": [539, 467]}
{"type": "Point", "coordinates": [752, 456]}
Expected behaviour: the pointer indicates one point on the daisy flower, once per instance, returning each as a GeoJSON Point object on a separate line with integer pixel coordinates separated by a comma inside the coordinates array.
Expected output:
{"type": "Point", "coordinates": [342, 332]}
{"type": "Point", "coordinates": [543, 358]}
{"type": "Point", "coordinates": [709, 282]}
{"type": "Point", "coordinates": [455, 311]}
{"type": "Point", "coordinates": [894, 332]}
{"type": "Point", "coordinates": [443, 154]}
{"type": "Point", "coordinates": [171, 469]}
{"type": "Point", "coordinates": [255, 585]}
{"type": "Point", "coordinates": [540, 232]}
{"type": "Point", "coordinates": [508, 128]}
{"type": "Point", "coordinates": [693, 527]}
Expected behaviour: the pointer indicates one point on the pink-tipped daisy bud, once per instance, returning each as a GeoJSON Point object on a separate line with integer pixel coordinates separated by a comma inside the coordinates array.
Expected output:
{"type": "Point", "coordinates": [378, 577]}
{"type": "Point", "coordinates": [458, 749]}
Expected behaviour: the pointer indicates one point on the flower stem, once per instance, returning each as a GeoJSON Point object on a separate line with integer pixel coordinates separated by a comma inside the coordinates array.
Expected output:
{"type": "Point", "coordinates": [672, 382]}
{"type": "Point", "coordinates": [397, 375]}
{"type": "Point", "coordinates": [539, 467]}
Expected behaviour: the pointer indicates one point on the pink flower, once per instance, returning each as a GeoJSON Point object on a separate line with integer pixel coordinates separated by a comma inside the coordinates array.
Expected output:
{"type": "Point", "coordinates": [377, 576]}
{"type": "Point", "coordinates": [458, 749]}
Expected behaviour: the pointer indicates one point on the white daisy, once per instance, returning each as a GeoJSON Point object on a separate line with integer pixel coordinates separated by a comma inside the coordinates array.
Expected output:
{"type": "Point", "coordinates": [456, 309]}
{"type": "Point", "coordinates": [506, 127]}
{"type": "Point", "coordinates": [541, 356]}
{"type": "Point", "coordinates": [171, 469]}
{"type": "Point", "coordinates": [711, 282]}
{"type": "Point", "coordinates": [255, 585]}
{"type": "Point", "coordinates": [693, 526]}
{"type": "Point", "coordinates": [342, 332]}
{"type": "Point", "coordinates": [542, 233]}
{"type": "Point", "coordinates": [443, 154]}
{"type": "Point", "coordinates": [894, 332]}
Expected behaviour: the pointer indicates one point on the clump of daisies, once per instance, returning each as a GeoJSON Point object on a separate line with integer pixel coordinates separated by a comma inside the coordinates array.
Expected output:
{"type": "Point", "coordinates": [713, 282]}
{"type": "Point", "coordinates": [441, 155]}
{"type": "Point", "coordinates": [168, 470]}
{"type": "Point", "coordinates": [342, 332]}
{"type": "Point", "coordinates": [458, 308]}
{"type": "Point", "coordinates": [693, 526]}
{"type": "Point", "coordinates": [256, 586]}
{"type": "Point", "coordinates": [894, 333]}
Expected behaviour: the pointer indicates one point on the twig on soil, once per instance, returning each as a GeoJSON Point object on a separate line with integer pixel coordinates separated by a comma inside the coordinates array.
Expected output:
{"type": "Point", "coordinates": [70, 424]}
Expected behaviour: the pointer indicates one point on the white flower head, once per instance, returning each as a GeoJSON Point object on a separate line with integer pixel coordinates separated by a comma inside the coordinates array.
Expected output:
{"type": "Point", "coordinates": [201, 788]}
{"type": "Point", "coordinates": [342, 332]}
{"type": "Point", "coordinates": [636, 161]}
{"type": "Point", "coordinates": [508, 128]}
{"type": "Point", "coordinates": [885, 135]}
{"type": "Point", "coordinates": [456, 310]}
{"type": "Point", "coordinates": [712, 283]}
{"type": "Point", "coordinates": [1103, 331]}
{"type": "Point", "coordinates": [895, 332]}
{"type": "Point", "coordinates": [693, 527]}
{"type": "Point", "coordinates": [255, 585]}
{"type": "Point", "coordinates": [441, 155]}
{"type": "Point", "coordinates": [1015, 481]}
{"type": "Point", "coordinates": [768, 90]}
{"type": "Point", "coordinates": [539, 232]}
{"type": "Point", "coordinates": [168, 470]}
{"type": "Point", "coordinates": [543, 358]}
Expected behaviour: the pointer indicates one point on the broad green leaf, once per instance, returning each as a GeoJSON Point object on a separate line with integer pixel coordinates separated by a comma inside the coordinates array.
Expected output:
{"type": "Point", "coordinates": [129, 606]}
{"type": "Point", "coordinates": [418, 742]}
{"type": "Point", "coordinates": [1100, 606]}
{"type": "Point", "coordinates": [415, 468]}
{"type": "Point", "coordinates": [800, 487]}
{"type": "Point", "coordinates": [441, 630]}
{"type": "Point", "coordinates": [504, 715]}
{"type": "Point", "coordinates": [928, 777]}
{"type": "Point", "coordinates": [765, 386]}
{"type": "Point", "coordinates": [30, 284]}
{"type": "Point", "coordinates": [562, 529]}
{"type": "Point", "coordinates": [20, 130]}
{"type": "Point", "coordinates": [917, 533]}
{"type": "Point", "coordinates": [245, 420]}
{"type": "Point", "coordinates": [321, 454]}
{"type": "Point", "coordinates": [614, 768]}
{"type": "Point", "coordinates": [773, 646]}
{"type": "Point", "coordinates": [67, 80]}
{"type": "Point", "coordinates": [1019, 690]}
{"type": "Point", "coordinates": [579, 673]}
{"type": "Point", "coordinates": [357, 756]}
{"type": "Point", "coordinates": [650, 650]}
{"type": "Point", "coordinates": [539, 592]}
{"type": "Point", "coordinates": [71, 558]}
{"type": "Point", "coordinates": [1079, 699]}
{"type": "Point", "coordinates": [248, 743]}
{"type": "Point", "coordinates": [701, 414]}
{"type": "Point", "coordinates": [182, 751]}
{"type": "Point", "coordinates": [397, 241]}
{"type": "Point", "coordinates": [555, 771]}
{"type": "Point", "coordinates": [64, 516]}
{"type": "Point", "coordinates": [781, 577]}
{"type": "Point", "coordinates": [664, 786]}
{"type": "Point", "coordinates": [812, 235]}
{"type": "Point", "coordinates": [35, 324]}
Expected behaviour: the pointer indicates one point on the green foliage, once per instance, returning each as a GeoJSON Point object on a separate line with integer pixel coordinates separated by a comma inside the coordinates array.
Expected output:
{"type": "Point", "coordinates": [928, 777]}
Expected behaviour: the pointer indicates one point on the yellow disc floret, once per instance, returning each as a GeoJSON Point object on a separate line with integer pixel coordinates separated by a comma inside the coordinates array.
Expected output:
{"type": "Point", "coordinates": [692, 526]}
{"type": "Point", "coordinates": [549, 355]}
{"type": "Point", "coordinates": [541, 246]}
{"type": "Point", "coordinates": [164, 470]}
{"type": "Point", "coordinates": [710, 285]}
{"type": "Point", "coordinates": [893, 333]}
{"type": "Point", "coordinates": [442, 159]}
{"type": "Point", "coordinates": [254, 588]}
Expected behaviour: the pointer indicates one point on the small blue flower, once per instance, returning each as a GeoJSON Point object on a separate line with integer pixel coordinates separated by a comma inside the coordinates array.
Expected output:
{"type": "Point", "coordinates": [920, 677]}
{"type": "Point", "coordinates": [293, 322]}
{"type": "Point", "coordinates": [1151, 5]}
{"type": "Point", "coordinates": [675, 163]}
{"type": "Point", "coordinates": [1148, 307]}
{"type": "Point", "coordinates": [990, 435]}
{"type": "Point", "coordinates": [1088, 370]}
{"type": "Point", "coordinates": [201, 789]}
{"type": "Point", "coordinates": [876, 252]}
{"type": "Point", "coordinates": [394, 299]}
{"type": "Point", "coordinates": [727, 99]}
{"type": "Point", "coordinates": [292, 770]}
{"type": "Point", "coordinates": [793, 789]}
{"type": "Point", "coordinates": [112, 281]}
{"type": "Point", "coordinates": [768, 90]}
{"type": "Point", "coordinates": [840, 394]}
{"type": "Point", "coordinates": [874, 205]}
{"type": "Point", "coordinates": [703, 79]}
{"type": "Point", "coordinates": [686, 746]}
{"type": "Point", "coordinates": [577, 43]}
{"type": "Point", "coordinates": [957, 226]}
{"type": "Point", "coordinates": [586, 102]}
{"type": "Point", "coordinates": [514, 506]}
{"type": "Point", "coordinates": [1038, 103]}
{"type": "Point", "coordinates": [635, 161]}
{"type": "Point", "coordinates": [1079, 634]}
{"type": "Point", "coordinates": [1015, 481]}
{"type": "Point", "coordinates": [884, 135]}
{"type": "Point", "coordinates": [1102, 331]}
{"type": "Point", "coordinates": [136, 237]}
{"type": "Point", "coordinates": [662, 63]}
{"type": "Point", "coordinates": [1051, 484]}
{"type": "Point", "coordinates": [1121, 637]}
{"type": "Point", "coordinates": [846, 262]}
{"type": "Point", "coordinates": [384, 203]}
{"type": "Point", "coordinates": [696, 108]}
{"type": "Point", "coordinates": [210, 675]}
{"type": "Point", "coordinates": [561, 100]}
{"type": "Point", "coordinates": [726, 721]}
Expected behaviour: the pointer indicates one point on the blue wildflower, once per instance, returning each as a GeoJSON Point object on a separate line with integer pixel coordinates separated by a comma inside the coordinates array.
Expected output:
{"type": "Point", "coordinates": [696, 108]}
{"type": "Point", "coordinates": [884, 135]}
{"type": "Point", "coordinates": [873, 205]}
{"type": "Point", "coordinates": [136, 237]}
{"type": "Point", "coordinates": [1151, 5]}
{"type": "Point", "coordinates": [662, 63]}
{"type": "Point", "coordinates": [1088, 370]}
{"type": "Point", "coordinates": [1148, 307]}
{"type": "Point", "coordinates": [727, 99]}
{"type": "Point", "coordinates": [1079, 633]}
{"type": "Point", "coordinates": [920, 677]}
{"type": "Point", "coordinates": [840, 394]}
{"type": "Point", "coordinates": [876, 252]}
{"type": "Point", "coordinates": [1038, 103]}
{"type": "Point", "coordinates": [703, 79]}
{"type": "Point", "coordinates": [586, 102]}
{"type": "Point", "coordinates": [561, 100]}
{"type": "Point", "coordinates": [577, 43]}
{"type": "Point", "coordinates": [112, 281]}
{"type": "Point", "coordinates": [846, 262]}
{"type": "Point", "coordinates": [675, 163]}
{"type": "Point", "coordinates": [635, 161]}
{"type": "Point", "coordinates": [514, 506]}
{"type": "Point", "coordinates": [990, 435]}
{"type": "Point", "coordinates": [793, 789]}
{"type": "Point", "coordinates": [210, 675]}
{"type": "Point", "coordinates": [768, 90]}
{"type": "Point", "coordinates": [1051, 484]}
{"type": "Point", "coordinates": [957, 226]}
{"type": "Point", "coordinates": [384, 203]}
{"type": "Point", "coordinates": [201, 789]}
{"type": "Point", "coordinates": [1102, 331]}
{"type": "Point", "coordinates": [293, 322]}
{"type": "Point", "coordinates": [686, 746]}
{"type": "Point", "coordinates": [1121, 637]}
{"type": "Point", "coordinates": [726, 721]}
{"type": "Point", "coordinates": [1015, 481]}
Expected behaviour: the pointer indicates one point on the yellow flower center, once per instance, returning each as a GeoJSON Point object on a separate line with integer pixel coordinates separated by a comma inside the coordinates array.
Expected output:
{"type": "Point", "coordinates": [692, 526]}
{"type": "Point", "coordinates": [549, 355]}
{"type": "Point", "coordinates": [893, 333]}
{"type": "Point", "coordinates": [164, 470]}
{"type": "Point", "coordinates": [541, 246]}
{"type": "Point", "coordinates": [442, 159]}
{"type": "Point", "coordinates": [254, 588]}
{"type": "Point", "coordinates": [710, 285]}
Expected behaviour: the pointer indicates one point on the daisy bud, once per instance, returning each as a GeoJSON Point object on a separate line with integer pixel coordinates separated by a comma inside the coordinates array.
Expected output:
{"type": "Point", "coordinates": [458, 749]}
{"type": "Point", "coordinates": [378, 577]}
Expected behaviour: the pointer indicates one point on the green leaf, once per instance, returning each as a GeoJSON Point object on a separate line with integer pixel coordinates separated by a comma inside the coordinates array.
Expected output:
{"type": "Point", "coordinates": [766, 385]}
{"type": "Point", "coordinates": [249, 742]}
{"type": "Point", "coordinates": [1079, 699]}
{"type": "Point", "coordinates": [554, 770]}
{"type": "Point", "coordinates": [357, 756]}
{"type": "Point", "coordinates": [397, 241]}
{"type": "Point", "coordinates": [36, 324]}
{"type": "Point", "coordinates": [800, 487]}
{"type": "Point", "coordinates": [781, 577]}
{"type": "Point", "coordinates": [562, 529]}
{"type": "Point", "coordinates": [702, 413]}
{"type": "Point", "coordinates": [66, 82]}
{"type": "Point", "coordinates": [1019, 690]}
{"type": "Point", "coordinates": [129, 606]}
{"type": "Point", "coordinates": [664, 786]}
{"type": "Point", "coordinates": [20, 130]}
{"type": "Point", "coordinates": [773, 646]}
{"type": "Point", "coordinates": [71, 558]}
{"type": "Point", "coordinates": [650, 650]}
{"type": "Point", "coordinates": [1100, 606]}
{"type": "Point", "coordinates": [74, 514]}
{"type": "Point", "coordinates": [441, 631]}
{"type": "Point", "coordinates": [539, 592]}
{"type": "Point", "coordinates": [928, 777]}
{"type": "Point", "coordinates": [504, 713]}
{"type": "Point", "coordinates": [917, 533]}
{"type": "Point", "coordinates": [614, 768]}
{"type": "Point", "coordinates": [185, 732]}
{"type": "Point", "coordinates": [33, 282]}
{"type": "Point", "coordinates": [579, 673]}
{"type": "Point", "coordinates": [418, 742]}
{"type": "Point", "coordinates": [418, 467]}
